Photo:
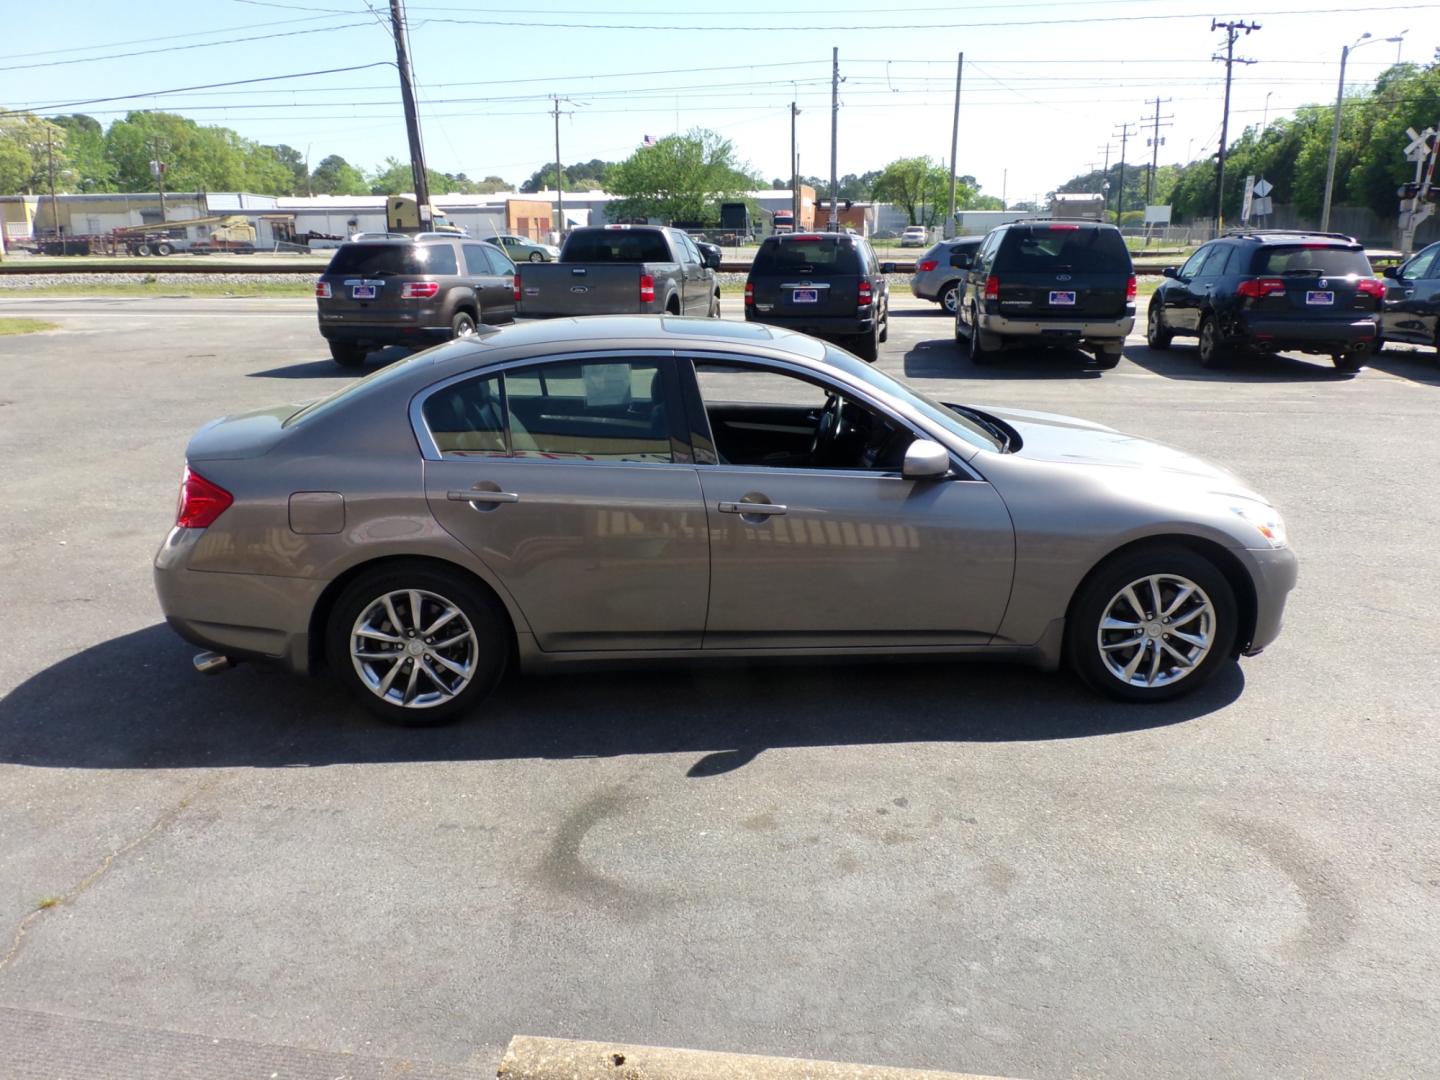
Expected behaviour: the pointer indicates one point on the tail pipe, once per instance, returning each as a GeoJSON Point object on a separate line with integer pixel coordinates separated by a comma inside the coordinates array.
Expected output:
{"type": "Point", "coordinates": [209, 663]}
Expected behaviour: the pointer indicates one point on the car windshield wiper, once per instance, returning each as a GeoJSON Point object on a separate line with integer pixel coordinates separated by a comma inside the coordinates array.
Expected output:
{"type": "Point", "coordinates": [1002, 433]}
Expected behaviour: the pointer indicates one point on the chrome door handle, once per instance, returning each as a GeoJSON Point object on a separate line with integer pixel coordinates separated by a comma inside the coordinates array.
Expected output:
{"type": "Point", "coordinates": [483, 496]}
{"type": "Point", "coordinates": [770, 509]}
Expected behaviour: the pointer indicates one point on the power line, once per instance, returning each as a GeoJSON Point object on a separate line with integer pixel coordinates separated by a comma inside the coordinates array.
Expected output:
{"type": "Point", "coordinates": [164, 37]}
{"type": "Point", "coordinates": [184, 48]}
{"type": "Point", "coordinates": [1155, 142]}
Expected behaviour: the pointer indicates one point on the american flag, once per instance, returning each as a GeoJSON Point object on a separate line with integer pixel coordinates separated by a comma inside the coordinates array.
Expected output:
{"type": "Point", "coordinates": [649, 140]}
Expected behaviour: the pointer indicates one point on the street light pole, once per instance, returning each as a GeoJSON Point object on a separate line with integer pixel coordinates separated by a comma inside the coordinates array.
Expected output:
{"type": "Point", "coordinates": [1364, 39]}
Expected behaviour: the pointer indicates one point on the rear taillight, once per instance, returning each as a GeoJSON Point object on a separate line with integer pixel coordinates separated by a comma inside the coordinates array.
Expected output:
{"type": "Point", "coordinates": [1131, 288]}
{"type": "Point", "coordinates": [647, 288]}
{"type": "Point", "coordinates": [1255, 288]}
{"type": "Point", "coordinates": [201, 502]}
{"type": "Point", "coordinates": [516, 280]}
{"type": "Point", "coordinates": [992, 288]}
{"type": "Point", "coordinates": [749, 294]}
{"type": "Point", "coordinates": [419, 290]}
{"type": "Point", "coordinates": [322, 290]}
{"type": "Point", "coordinates": [1369, 286]}
{"type": "Point", "coordinates": [866, 294]}
{"type": "Point", "coordinates": [926, 265]}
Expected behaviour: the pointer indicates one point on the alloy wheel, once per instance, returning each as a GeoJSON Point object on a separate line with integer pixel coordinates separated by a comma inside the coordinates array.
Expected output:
{"type": "Point", "coordinates": [1156, 630]}
{"type": "Point", "coordinates": [414, 649]}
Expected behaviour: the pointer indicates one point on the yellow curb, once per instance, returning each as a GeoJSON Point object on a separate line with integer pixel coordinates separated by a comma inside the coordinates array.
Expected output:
{"type": "Point", "coordinates": [531, 1057]}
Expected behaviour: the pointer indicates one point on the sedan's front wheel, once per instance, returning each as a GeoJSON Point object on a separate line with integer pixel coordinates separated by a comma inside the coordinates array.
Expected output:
{"type": "Point", "coordinates": [536, 256]}
{"type": "Point", "coordinates": [1152, 625]}
{"type": "Point", "coordinates": [418, 646]}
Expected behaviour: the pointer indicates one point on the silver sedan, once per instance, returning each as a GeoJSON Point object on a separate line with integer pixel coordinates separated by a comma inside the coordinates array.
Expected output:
{"type": "Point", "coordinates": [666, 488]}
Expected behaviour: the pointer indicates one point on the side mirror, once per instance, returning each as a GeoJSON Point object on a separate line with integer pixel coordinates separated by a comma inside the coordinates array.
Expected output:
{"type": "Point", "coordinates": [887, 268]}
{"type": "Point", "coordinates": [712, 260]}
{"type": "Point", "coordinates": [960, 262]}
{"type": "Point", "coordinates": [925, 460]}
{"type": "Point", "coordinates": [1392, 272]}
{"type": "Point", "coordinates": [1171, 272]}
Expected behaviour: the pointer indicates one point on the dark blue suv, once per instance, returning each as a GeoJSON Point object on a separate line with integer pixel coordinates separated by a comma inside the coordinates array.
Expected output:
{"type": "Point", "coordinates": [1270, 292]}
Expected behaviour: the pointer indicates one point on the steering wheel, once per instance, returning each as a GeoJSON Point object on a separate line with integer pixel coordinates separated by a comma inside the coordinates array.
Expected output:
{"type": "Point", "coordinates": [833, 424]}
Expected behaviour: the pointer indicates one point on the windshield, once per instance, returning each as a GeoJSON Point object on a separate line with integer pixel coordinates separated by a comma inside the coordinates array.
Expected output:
{"type": "Point", "coordinates": [1315, 260]}
{"type": "Point", "coordinates": [814, 256]}
{"type": "Point", "coordinates": [928, 407]}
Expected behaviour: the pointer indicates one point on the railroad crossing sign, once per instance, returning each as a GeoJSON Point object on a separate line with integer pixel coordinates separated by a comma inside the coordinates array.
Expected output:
{"type": "Point", "coordinates": [1263, 188]}
{"type": "Point", "coordinates": [1419, 148]}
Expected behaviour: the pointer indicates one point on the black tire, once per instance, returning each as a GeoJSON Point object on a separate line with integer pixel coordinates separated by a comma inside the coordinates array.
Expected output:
{"type": "Point", "coordinates": [1106, 357]}
{"type": "Point", "coordinates": [1101, 593]}
{"type": "Point", "coordinates": [163, 249]}
{"type": "Point", "coordinates": [1157, 335]}
{"type": "Point", "coordinates": [1212, 349]}
{"type": "Point", "coordinates": [980, 356]}
{"type": "Point", "coordinates": [347, 356]}
{"type": "Point", "coordinates": [463, 325]}
{"type": "Point", "coordinates": [537, 256]}
{"type": "Point", "coordinates": [1349, 362]}
{"type": "Point", "coordinates": [950, 297]}
{"type": "Point", "coordinates": [867, 348]}
{"type": "Point", "coordinates": [142, 249]}
{"type": "Point", "coordinates": [885, 325]}
{"type": "Point", "coordinates": [488, 655]}
{"type": "Point", "coordinates": [715, 306]}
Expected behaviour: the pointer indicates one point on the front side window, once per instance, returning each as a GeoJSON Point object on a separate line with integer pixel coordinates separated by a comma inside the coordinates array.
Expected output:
{"type": "Point", "coordinates": [589, 410]}
{"type": "Point", "coordinates": [1422, 266]}
{"type": "Point", "coordinates": [773, 419]}
{"type": "Point", "coordinates": [1192, 264]}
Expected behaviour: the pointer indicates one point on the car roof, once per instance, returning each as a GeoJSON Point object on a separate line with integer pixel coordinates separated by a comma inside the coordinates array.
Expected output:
{"type": "Point", "coordinates": [1296, 236]}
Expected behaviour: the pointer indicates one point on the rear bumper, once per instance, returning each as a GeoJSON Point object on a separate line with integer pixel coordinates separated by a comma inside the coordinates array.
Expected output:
{"type": "Point", "coordinates": [1309, 335]}
{"type": "Point", "coordinates": [821, 327]}
{"type": "Point", "coordinates": [1081, 328]}
{"type": "Point", "coordinates": [923, 288]}
{"type": "Point", "coordinates": [378, 334]}
{"type": "Point", "coordinates": [1274, 573]}
{"type": "Point", "coordinates": [246, 616]}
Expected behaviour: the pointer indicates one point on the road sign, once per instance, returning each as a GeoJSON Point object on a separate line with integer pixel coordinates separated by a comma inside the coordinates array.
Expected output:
{"type": "Point", "coordinates": [1245, 207]}
{"type": "Point", "coordinates": [1262, 208]}
{"type": "Point", "coordinates": [1263, 188]}
{"type": "Point", "coordinates": [1419, 147]}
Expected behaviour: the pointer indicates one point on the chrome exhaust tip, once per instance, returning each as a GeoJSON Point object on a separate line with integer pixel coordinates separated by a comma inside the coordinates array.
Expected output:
{"type": "Point", "coordinates": [209, 663]}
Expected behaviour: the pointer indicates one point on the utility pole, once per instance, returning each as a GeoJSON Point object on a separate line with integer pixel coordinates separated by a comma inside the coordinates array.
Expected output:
{"type": "Point", "coordinates": [1232, 31]}
{"type": "Point", "coordinates": [1155, 142]}
{"type": "Point", "coordinates": [158, 167]}
{"type": "Point", "coordinates": [54, 206]}
{"type": "Point", "coordinates": [412, 118]}
{"type": "Point", "coordinates": [559, 176]}
{"type": "Point", "coordinates": [949, 229]}
{"type": "Point", "coordinates": [794, 170]}
{"type": "Point", "coordinates": [1105, 178]}
{"type": "Point", "coordinates": [833, 222]}
{"type": "Point", "coordinates": [1125, 134]}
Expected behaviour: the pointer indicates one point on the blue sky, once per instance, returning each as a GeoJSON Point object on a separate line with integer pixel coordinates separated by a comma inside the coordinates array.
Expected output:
{"type": "Point", "coordinates": [1047, 83]}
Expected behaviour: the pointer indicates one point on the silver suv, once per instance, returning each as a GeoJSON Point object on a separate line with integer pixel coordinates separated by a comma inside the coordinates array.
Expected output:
{"type": "Point", "coordinates": [940, 272]}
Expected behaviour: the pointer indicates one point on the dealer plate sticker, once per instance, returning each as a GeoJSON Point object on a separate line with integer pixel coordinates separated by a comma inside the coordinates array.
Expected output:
{"type": "Point", "coordinates": [363, 292]}
{"type": "Point", "coordinates": [1062, 299]}
{"type": "Point", "coordinates": [805, 296]}
{"type": "Point", "coordinates": [1316, 296]}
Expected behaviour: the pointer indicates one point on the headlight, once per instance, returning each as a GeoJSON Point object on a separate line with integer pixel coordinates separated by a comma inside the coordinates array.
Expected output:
{"type": "Point", "coordinates": [1265, 520]}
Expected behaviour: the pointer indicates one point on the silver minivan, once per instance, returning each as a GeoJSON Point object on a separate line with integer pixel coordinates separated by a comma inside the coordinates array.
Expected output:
{"type": "Point", "coordinates": [940, 272]}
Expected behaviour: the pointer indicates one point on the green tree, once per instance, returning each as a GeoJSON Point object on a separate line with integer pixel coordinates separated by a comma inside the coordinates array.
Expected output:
{"type": "Point", "coordinates": [336, 176]}
{"type": "Point", "coordinates": [582, 176]}
{"type": "Point", "coordinates": [921, 188]}
{"type": "Point", "coordinates": [294, 161]}
{"type": "Point", "coordinates": [395, 177]}
{"type": "Point", "coordinates": [85, 152]}
{"type": "Point", "coordinates": [679, 178]}
{"type": "Point", "coordinates": [197, 158]}
{"type": "Point", "coordinates": [26, 145]}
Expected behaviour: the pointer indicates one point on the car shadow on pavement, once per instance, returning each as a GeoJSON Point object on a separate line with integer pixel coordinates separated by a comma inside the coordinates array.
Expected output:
{"type": "Point", "coordinates": [942, 359]}
{"type": "Point", "coordinates": [1182, 361]}
{"type": "Point", "coordinates": [134, 703]}
{"type": "Point", "coordinates": [1417, 365]}
{"type": "Point", "coordinates": [322, 367]}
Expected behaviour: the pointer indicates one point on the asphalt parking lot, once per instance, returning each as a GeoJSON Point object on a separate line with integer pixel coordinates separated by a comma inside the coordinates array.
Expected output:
{"type": "Point", "coordinates": [953, 866]}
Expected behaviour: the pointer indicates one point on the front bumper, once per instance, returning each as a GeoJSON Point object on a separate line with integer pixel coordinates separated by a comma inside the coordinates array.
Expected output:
{"type": "Point", "coordinates": [245, 616]}
{"type": "Point", "coordinates": [1309, 335]}
{"type": "Point", "coordinates": [1061, 331]}
{"type": "Point", "coordinates": [1273, 572]}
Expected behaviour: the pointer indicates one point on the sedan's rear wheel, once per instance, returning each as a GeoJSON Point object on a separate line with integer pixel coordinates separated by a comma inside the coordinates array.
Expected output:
{"type": "Point", "coordinates": [417, 646]}
{"type": "Point", "coordinates": [950, 297]}
{"type": "Point", "coordinates": [1152, 625]}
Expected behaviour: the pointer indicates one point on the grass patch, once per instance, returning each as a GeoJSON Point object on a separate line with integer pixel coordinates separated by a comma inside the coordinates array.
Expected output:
{"type": "Point", "coordinates": [24, 326]}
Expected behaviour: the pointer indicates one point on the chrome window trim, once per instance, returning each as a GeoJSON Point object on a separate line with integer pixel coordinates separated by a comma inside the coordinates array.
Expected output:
{"type": "Point", "coordinates": [429, 451]}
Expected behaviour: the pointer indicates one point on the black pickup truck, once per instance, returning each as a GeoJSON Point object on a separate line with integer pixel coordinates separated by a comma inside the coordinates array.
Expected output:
{"type": "Point", "coordinates": [621, 270]}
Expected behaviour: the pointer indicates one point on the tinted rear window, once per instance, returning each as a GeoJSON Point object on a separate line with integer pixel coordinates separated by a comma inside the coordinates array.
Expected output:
{"type": "Point", "coordinates": [1323, 261]}
{"type": "Point", "coordinates": [820, 257]}
{"type": "Point", "coordinates": [616, 245]}
{"type": "Point", "coordinates": [1043, 251]}
{"type": "Point", "coordinates": [408, 259]}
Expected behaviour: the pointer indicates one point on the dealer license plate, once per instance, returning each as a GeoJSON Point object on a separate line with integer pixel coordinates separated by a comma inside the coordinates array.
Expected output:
{"type": "Point", "coordinates": [1315, 296]}
{"type": "Point", "coordinates": [363, 292]}
{"type": "Point", "coordinates": [805, 296]}
{"type": "Point", "coordinates": [1062, 299]}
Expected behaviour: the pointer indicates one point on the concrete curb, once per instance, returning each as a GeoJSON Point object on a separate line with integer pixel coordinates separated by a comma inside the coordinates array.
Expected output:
{"type": "Point", "coordinates": [530, 1057]}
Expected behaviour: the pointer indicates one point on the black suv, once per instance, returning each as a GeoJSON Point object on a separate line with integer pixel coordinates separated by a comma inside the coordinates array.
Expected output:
{"type": "Point", "coordinates": [826, 284]}
{"type": "Point", "coordinates": [1269, 292]}
{"type": "Point", "coordinates": [1066, 283]}
{"type": "Point", "coordinates": [411, 290]}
